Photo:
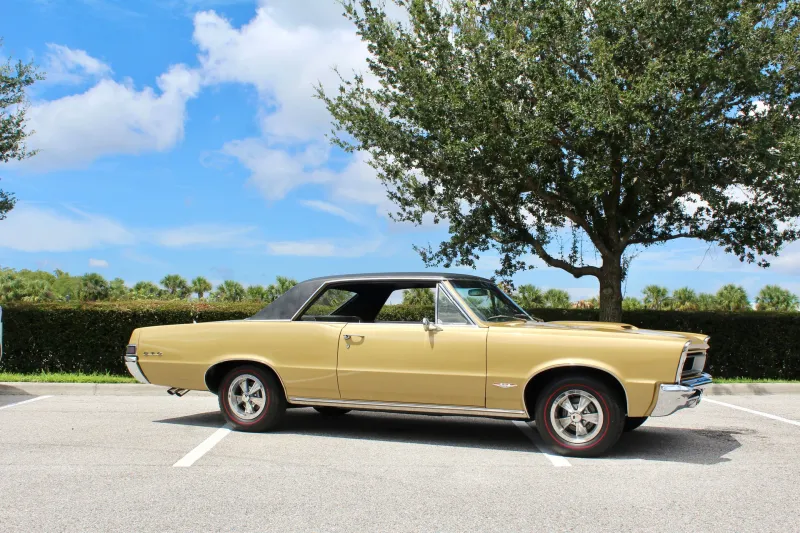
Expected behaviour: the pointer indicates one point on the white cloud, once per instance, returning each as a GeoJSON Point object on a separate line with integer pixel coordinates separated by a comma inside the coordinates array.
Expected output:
{"type": "Point", "coordinates": [34, 229]}
{"type": "Point", "coordinates": [71, 66]}
{"type": "Point", "coordinates": [206, 235]}
{"type": "Point", "coordinates": [283, 63]}
{"type": "Point", "coordinates": [111, 118]}
{"type": "Point", "coordinates": [324, 248]}
{"type": "Point", "coordinates": [331, 209]}
{"type": "Point", "coordinates": [275, 172]}
{"type": "Point", "coordinates": [98, 263]}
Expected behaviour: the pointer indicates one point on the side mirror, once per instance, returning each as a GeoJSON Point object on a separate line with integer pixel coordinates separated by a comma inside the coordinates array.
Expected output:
{"type": "Point", "coordinates": [427, 326]}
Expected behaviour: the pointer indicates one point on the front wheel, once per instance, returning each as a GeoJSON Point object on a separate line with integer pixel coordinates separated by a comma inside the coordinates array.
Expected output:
{"type": "Point", "coordinates": [579, 416]}
{"type": "Point", "coordinates": [251, 399]}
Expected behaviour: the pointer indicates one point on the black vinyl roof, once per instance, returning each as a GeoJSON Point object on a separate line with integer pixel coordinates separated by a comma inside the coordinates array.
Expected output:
{"type": "Point", "coordinates": [285, 307]}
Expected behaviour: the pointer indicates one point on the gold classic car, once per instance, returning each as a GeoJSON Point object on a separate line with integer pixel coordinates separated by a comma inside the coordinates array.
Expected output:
{"type": "Point", "coordinates": [326, 344]}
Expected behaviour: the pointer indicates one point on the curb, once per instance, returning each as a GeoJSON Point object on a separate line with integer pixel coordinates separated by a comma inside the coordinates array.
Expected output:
{"type": "Point", "coordinates": [751, 389]}
{"type": "Point", "coordinates": [86, 389]}
{"type": "Point", "coordinates": [135, 389]}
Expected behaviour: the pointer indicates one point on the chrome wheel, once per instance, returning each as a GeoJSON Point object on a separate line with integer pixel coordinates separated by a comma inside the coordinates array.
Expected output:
{"type": "Point", "coordinates": [576, 416]}
{"type": "Point", "coordinates": [247, 397]}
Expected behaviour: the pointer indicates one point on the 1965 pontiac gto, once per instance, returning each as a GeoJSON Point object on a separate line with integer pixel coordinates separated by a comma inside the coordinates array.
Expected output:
{"type": "Point", "coordinates": [322, 344]}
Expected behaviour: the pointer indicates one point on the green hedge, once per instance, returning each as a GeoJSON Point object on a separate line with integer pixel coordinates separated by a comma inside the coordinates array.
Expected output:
{"type": "Point", "coordinates": [92, 337]}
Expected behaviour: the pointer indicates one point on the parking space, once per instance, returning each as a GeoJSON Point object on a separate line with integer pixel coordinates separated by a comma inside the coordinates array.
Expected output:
{"type": "Point", "coordinates": [103, 463]}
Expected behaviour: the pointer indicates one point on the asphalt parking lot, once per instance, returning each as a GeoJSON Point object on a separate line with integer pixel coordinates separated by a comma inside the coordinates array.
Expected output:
{"type": "Point", "coordinates": [160, 463]}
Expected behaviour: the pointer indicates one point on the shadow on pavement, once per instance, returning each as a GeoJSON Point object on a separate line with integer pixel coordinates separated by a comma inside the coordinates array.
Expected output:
{"type": "Point", "coordinates": [10, 394]}
{"type": "Point", "coordinates": [678, 445]}
{"type": "Point", "coordinates": [417, 429]}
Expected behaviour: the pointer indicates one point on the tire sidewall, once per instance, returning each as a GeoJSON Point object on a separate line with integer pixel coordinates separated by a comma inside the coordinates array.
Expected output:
{"type": "Point", "coordinates": [274, 407]}
{"type": "Point", "coordinates": [613, 417]}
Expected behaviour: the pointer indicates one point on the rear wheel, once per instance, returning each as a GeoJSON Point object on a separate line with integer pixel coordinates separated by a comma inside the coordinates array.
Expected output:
{"type": "Point", "coordinates": [579, 416]}
{"type": "Point", "coordinates": [251, 399]}
{"type": "Point", "coordinates": [633, 422]}
{"type": "Point", "coordinates": [331, 411]}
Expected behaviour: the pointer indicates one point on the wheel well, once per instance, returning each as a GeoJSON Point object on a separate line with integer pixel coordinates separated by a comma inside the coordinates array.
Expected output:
{"type": "Point", "coordinates": [540, 380]}
{"type": "Point", "coordinates": [215, 374]}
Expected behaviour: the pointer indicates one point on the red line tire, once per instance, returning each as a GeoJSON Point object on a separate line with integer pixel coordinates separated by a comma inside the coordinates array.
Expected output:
{"type": "Point", "coordinates": [267, 404]}
{"type": "Point", "coordinates": [588, 433]}
{"type": "Point", "coordinates": [633, 422]}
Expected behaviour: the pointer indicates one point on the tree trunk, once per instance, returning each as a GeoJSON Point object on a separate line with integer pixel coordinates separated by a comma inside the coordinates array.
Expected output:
{"type": "Point", "coordinates": [611, 289]}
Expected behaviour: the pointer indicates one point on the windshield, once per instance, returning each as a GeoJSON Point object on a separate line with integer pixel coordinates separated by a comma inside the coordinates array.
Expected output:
{"type": "Point", "coordinates": [488, 302]}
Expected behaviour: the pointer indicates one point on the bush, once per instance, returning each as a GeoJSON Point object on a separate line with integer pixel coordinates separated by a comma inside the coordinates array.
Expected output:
{"type": "Point", "coordinates": [92, 337]}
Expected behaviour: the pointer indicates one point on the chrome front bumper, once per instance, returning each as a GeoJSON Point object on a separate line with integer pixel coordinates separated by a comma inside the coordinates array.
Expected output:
{"type": "Point", "coordinates": [132, 362]}
{"type": "Point", "coordinates": [674, 397]}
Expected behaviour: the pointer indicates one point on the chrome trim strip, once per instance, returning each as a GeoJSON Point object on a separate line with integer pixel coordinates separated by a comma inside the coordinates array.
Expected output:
{"type": "Point", "coordinates": [132, 362]}
{"type": "Point", "coordinates": [413, 407]}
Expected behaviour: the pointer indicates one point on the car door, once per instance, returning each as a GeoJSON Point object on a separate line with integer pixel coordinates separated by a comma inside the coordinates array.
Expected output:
{"type": "Point", "coordinates": [407, 363]}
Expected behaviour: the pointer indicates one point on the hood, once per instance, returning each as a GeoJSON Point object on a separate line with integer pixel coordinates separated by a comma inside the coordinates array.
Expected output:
{"type": "Point", "coordinates": [698, 340]}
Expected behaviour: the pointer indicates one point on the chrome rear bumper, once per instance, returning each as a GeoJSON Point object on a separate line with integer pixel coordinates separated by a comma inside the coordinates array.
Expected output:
{"type": "Point", "coordinates": [673, 397]}
{"type": "Point", "coordinates": [132, 362]}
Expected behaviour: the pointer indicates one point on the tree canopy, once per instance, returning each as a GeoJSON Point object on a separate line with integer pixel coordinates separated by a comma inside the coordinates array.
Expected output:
{"type": "Point", "coordinates": [533, 128]}
{"type": "Point", "coordinates": [15, 78]}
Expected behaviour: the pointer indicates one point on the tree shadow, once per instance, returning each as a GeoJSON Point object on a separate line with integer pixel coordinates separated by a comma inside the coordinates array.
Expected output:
{"type": "Point", "coordinates": [10, 394]}
{"type": "Point", "coordinates": [678, 445]}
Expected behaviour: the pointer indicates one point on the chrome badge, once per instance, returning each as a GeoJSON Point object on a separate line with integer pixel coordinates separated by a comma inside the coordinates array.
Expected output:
{"type": "Point", "coordinates": [505, 385]}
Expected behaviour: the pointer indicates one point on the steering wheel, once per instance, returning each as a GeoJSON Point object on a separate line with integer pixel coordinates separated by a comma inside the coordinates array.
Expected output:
{"type": "Point", "coordinates": [502, 316]}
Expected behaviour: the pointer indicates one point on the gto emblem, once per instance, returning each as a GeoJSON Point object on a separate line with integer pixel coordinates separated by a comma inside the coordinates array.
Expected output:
{"type": "Point", "coordinates": [151, 353]}
{"type": "Point", "coordinates": [505, 385]}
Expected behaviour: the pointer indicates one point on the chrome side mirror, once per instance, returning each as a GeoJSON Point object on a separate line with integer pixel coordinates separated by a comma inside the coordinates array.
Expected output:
{"type": "Point", "coordinates": [427, 326]}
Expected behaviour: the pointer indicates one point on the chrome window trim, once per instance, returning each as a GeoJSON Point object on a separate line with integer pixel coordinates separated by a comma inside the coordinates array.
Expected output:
{"type": "Point", "coordinates": [449, 296]}
{"type": "Point", "coordinates": [413, 407]}
{"type": "Point", "coordinates": [433, 279]}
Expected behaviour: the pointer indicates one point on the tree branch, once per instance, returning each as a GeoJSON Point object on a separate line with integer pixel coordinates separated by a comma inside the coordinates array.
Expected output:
{"type": "Point", "coordinates": [665, 238]}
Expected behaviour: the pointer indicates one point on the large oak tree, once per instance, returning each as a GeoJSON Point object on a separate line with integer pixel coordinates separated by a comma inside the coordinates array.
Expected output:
{"type": "Point", "coordinates": [622, 123]}
{"type": "Point", "coordinates": [15, 78]}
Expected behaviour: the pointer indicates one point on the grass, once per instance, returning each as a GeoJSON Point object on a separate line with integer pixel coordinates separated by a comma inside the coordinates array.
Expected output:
{"type": "Point", "coordinates": [750, 380]}
{"type": "Point", "coordinates": [64, 377]}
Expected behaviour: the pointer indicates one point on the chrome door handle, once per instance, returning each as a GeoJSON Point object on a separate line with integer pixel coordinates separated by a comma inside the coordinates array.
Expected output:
{"type": "Point", "coordinates": [348, 337]}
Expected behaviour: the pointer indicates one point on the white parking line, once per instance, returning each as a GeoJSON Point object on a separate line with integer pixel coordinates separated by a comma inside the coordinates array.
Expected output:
{"type": "Point", "coordinates": [557, 460]}
{"type": "Point", "coordinates": [190, 458]}
{"type": "Point", "coordinates": [25, 401]}
{"type": "Point", "coordinates": [752, 411]}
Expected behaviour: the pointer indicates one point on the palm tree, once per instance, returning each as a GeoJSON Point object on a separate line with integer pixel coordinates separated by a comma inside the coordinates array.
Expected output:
{"type": "Point", "coordinates": [146, 290]}
{"type": "Point", "coordinates": [118, 290]}
{"type": "Point", "coordinates": [684, 299]}
{"type": "Point", "coordinates": [38, 290]}
{"type": "Point", "coordinates": [707, 302]}
{"type": "Point", "coordinates": [775, 298]}
{"type": "Point", "coordinates": [733, 298]}
{"type": "Point", "coordinates": [200, 286]}
{"type": "Point", "coordinates": [529, 297]}
{"type": "Point", "coordinates": [655, 297]}
{"type": "Point", "coordinates": [229, 291]}
{"type": "Point", "coordinates": [281, 285]}
{"type": "Point", "coordinates": [256, 293]}
{"type": "Point", "coordinates": [94, 287]}
{"type": "Point", "coordinates": [421, 296]}
{"type": "Point", "coordinates": [631, 304]}
{"type": "Point", "coordinates": [556, 298]}
{"type": "Point", "coordinates": [176, 286]}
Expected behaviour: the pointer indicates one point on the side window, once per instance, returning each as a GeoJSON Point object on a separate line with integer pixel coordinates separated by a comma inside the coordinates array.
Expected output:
{"type": "Point", "coordinates": [409, 305]}
{"type": "Point", "coordinates": [327, 304]}
{"type": "Point", "coordinates": [448, 312]}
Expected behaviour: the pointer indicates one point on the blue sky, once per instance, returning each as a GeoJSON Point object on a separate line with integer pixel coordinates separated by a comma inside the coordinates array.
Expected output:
{"type": "Point", "coordinates": [180, 136]}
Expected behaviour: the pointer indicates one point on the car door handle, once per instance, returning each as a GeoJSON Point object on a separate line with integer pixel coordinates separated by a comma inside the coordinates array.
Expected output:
{"type": "Point", "coordinates": [348, 337]}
